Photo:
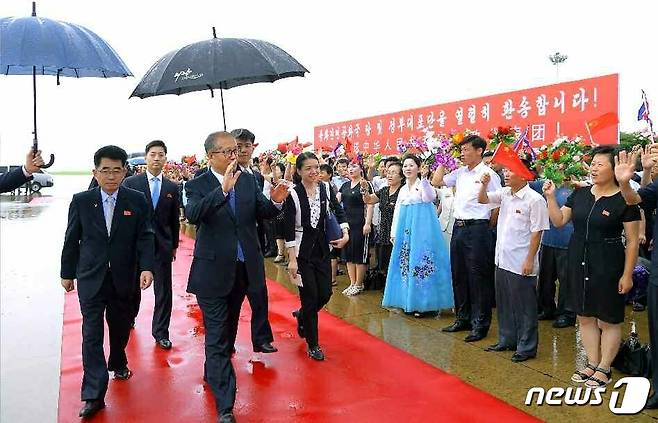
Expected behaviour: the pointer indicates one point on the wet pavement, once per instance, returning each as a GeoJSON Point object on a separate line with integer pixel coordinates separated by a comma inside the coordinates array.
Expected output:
{"type": "Point", "coordinates": [31, 306]}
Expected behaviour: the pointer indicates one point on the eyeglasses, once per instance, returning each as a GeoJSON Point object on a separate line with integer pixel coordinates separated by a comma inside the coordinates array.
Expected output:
{"type": "Point", "coordinates": [108, 172]}
{"type": "Point", "coordinates": [226, 153]}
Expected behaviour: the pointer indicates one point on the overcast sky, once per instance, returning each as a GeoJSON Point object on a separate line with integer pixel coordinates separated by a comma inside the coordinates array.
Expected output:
{"type": "Point", "coordinates": [365, 58]}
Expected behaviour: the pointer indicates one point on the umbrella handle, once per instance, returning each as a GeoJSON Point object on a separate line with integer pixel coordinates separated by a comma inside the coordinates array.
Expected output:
{"type": "Point", "coordinates": [50, 162]}
{"type": "Point", "coordinates": [35, 148]}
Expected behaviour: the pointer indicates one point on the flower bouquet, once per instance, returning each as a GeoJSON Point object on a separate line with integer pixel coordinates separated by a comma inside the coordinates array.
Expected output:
{"type": "Point", "coordinates": [503, 134]}
{"type": "Point", "coordinates": [566, 159]}
{"type": "Point", "coordinates": [433, 150]}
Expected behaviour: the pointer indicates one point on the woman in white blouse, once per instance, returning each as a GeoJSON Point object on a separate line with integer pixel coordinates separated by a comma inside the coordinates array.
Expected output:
{"type": "Point", "coordinates": [418, 279]}
{"type": "Point", "coordinates": [309, 266]}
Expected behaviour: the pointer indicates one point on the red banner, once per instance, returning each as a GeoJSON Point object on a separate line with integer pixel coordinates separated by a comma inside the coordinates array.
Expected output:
{"type": "Point", "coordinates": [548, 112]}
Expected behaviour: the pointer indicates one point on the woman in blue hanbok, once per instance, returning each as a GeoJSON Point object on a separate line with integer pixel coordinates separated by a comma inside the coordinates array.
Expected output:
{"type": "Point", "coordinates": [419, 279]}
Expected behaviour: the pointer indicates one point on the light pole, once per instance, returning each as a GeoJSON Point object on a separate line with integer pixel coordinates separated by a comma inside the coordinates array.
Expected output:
{"type": "Point", "coordinates": [557, 59]}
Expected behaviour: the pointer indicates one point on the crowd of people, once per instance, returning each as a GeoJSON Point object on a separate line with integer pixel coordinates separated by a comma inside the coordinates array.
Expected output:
{"type": "Point", "coordinates": [436, 241]}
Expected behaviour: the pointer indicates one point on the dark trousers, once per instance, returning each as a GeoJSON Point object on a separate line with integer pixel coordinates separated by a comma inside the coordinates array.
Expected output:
{"type": "Point", "coordinates": [220, 319]}
{"type": "Point", "coordinates": [261, 331]}
{"type": "Point", "coordinates": [652, 307]}
{"type": "Point", "coordinates": [163, 298]}
{"type": "Point", "coordinates": [552, 267]}
{"type": "Point", "coordinates": [316, 292]}
{"type": "Point", "coordinates": [117, 311]}
{"type": "Point", "coordinates": [384, 257]}
{"type": "Point", "coordinates": [471, 260]}
{"type": "Point", "coordinates": [516, 309]}
{"type": "Point", "coordinates": [270, 240]}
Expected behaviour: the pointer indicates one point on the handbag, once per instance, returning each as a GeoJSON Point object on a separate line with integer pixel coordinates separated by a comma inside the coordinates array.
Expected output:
{"type": "Point", "coordinates": [332, 230]}
{"type": "Point", "coordinates": [633, 358]}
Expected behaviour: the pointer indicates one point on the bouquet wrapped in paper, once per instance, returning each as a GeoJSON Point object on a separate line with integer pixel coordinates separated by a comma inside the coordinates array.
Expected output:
{"type": "Point", "coordinates": [565, 159]}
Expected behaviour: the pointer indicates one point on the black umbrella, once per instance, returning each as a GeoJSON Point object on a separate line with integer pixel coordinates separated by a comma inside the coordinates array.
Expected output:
{"type": "Point", "coordinates": [217, 63]}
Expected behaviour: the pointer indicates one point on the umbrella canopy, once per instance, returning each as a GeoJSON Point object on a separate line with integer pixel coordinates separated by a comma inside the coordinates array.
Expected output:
{"type": "Point", "coordinates": [55, 48]}
{"type": "Point", "coordinates": [38, 46]}
{"type": "Point", "coordinates": [218, 63]}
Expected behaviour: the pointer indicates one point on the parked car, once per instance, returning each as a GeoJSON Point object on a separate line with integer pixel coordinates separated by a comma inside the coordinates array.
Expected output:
{"type": "Point", "coordinates": [40, 180]}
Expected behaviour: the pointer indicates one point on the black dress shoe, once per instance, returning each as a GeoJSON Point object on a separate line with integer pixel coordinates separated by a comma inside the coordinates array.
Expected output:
{"type": "Point", "coordinates": [165, 344]}
{"type": "Point", "coordinates": [123, 374]}
{"type": "Point", "coordinates": [652, 402]}
{"type": "Point", "coordinates": [458, 326]}
{"type": "Point", "coordinates": [91, 407]}
{"type": "Point", "coordinates": [517, 358]}
{"type": "Point", "coordinates": [316, 353]}
{"type": "Point", "coordinates": [300, 326]}
{"type": "Point", "coordinates": [475, 335]}
{"type": "Point", "coordinates": [639, 307]}
{"type": "Point", "coordinates": [226, 418]}
{"type": "Point", "coordinates": [265, 348]}
{"type": "Point", "coordinates": [563, 323]}
{"type": "Point", "coordinates": [270, 254]}
{"type": "Point", "coordinates": [545, 316]}
{"type": "Point", "coordinates": [499, 347]}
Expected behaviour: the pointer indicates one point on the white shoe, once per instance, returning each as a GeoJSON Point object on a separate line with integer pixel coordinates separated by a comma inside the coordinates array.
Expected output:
{"type": "Point", "coordinates": [349, 288]}
{"type": "Point", "coordinates": [356, 290]}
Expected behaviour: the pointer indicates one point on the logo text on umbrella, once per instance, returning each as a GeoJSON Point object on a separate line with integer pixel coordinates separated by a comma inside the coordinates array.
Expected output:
{"type": "Point", "coordinates": [187, 74]}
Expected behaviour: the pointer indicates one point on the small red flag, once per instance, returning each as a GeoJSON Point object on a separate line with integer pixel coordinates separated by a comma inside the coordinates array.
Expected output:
{"type": "Point", "coordinates": [602, 122]}
{"type": "Point", "coordinates": [505, 156]}
{"type": "Point", "coordinates": [349, 149]}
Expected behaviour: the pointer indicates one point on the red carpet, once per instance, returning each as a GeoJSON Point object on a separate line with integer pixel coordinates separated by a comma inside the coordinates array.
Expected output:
{"type": "Point", "coordinates": [363, 379]}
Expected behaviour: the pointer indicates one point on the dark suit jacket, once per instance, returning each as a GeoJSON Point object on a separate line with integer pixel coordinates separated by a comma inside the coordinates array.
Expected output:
{"type": "Point", "coordinates": [13, 179]}
{"type": "Point", "coordinates": [88, 251]}
{"type": "Point", "coordinates": [166, 216]}
{"type": "Point", "coordinates": [218, 231]}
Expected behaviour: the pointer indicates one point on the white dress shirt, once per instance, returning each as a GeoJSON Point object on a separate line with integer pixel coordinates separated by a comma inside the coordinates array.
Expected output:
{"type": "Point", "coordinates": [521, 215]}
{"type": "Point", "coordinates": [420, 192]}
{"type": "Point", "coordinates": [467, 188]}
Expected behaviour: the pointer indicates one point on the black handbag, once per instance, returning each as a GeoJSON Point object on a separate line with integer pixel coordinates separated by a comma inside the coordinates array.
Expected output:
{"type": "Point", "coordinates": [633, 358]}
{"type": "Point", "coordinates": [374, 279]}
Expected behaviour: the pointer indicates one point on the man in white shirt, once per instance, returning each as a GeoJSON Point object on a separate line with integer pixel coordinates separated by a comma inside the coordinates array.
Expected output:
{"type": "Point", "coordinates": [522, 219]}
{"type": "Point", "coordinates": [471, 246]}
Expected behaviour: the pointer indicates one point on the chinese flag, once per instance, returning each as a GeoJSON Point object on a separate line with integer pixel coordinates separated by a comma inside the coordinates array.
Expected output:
{"type": "Point", "coordinates": [602, 122]}
{"type": "Point", "coordinates": [505, 156]}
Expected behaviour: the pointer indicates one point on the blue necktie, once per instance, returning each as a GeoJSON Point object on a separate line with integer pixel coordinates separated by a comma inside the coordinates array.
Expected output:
{"type": "Point", "coordinates": [155, 192]}
{"type": "Point", "coordinates": [231, 201]}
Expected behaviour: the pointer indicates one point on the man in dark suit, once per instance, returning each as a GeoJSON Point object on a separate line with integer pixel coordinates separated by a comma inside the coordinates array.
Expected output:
{"type": "Point", "coordinates": [13, 179]}
{"type": "Point", "coordinates": [227, 259]}
{"type": "Point", "coordinates": [108, 242]}
{"type": "Point", "coordinates": [261, 331]}
{"type": "Point", "coordinates": [162, 195]}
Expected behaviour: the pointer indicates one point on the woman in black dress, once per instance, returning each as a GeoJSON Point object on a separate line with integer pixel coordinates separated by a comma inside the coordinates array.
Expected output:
{"type": "Point", "coordinates": [386, 197]}
{"type": "Point", "coordinates": [600, 268]}
{"type": "Point", "coordinates": [359, 216]}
